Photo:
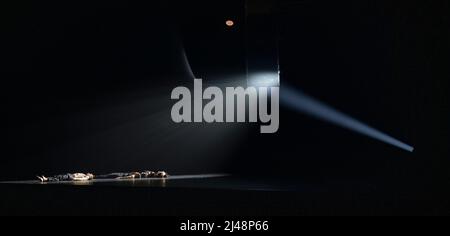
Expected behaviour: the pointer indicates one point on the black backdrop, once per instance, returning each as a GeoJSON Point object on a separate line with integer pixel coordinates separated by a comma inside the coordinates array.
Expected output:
{"type": "Point", "coordinates": [86, 87]}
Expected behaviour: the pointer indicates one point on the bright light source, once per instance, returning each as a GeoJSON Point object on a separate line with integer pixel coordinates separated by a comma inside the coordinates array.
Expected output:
{"type": "Point", "coordinates": [267, 79]}
{"type": "Point", "coordinates": [303, 103]}
{"type": "Point", "coordinates": [229, 23]}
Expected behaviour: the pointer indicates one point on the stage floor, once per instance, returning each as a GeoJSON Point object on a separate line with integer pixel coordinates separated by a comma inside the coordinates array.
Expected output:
{"type": "Point", "coordinates": [203, 181]}
{"type": "Point", "coordinates": [214, 194]}
{"type": "Point", "coordinates": [150, 182]}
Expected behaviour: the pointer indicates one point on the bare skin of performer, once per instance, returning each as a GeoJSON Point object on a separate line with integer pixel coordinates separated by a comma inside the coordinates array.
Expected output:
{"type": "Point", "coordinates": [113, 176]}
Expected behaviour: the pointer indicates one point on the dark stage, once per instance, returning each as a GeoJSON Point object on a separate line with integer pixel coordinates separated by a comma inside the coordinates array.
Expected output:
{"type": "Point", "coordinates": [359, 106]}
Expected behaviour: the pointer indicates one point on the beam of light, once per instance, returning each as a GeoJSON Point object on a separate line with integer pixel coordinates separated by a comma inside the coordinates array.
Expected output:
{"type": "Point", "coordinates": [264, 79]}
{"type": "Point", "coordinates": [187, 64]}
{"type": "Point", "coordinates": [303, 103]}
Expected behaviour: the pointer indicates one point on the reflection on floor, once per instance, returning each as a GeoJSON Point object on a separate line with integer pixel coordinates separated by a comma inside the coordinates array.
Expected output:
{"type": "Point", "coordinates": [205, 181]}
{"type": "Point", "coordinates": [216, 194]}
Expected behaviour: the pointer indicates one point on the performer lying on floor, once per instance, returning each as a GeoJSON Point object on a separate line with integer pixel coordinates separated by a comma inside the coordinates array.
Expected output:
{"type": "Point", "coordinates": [112, 176]}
